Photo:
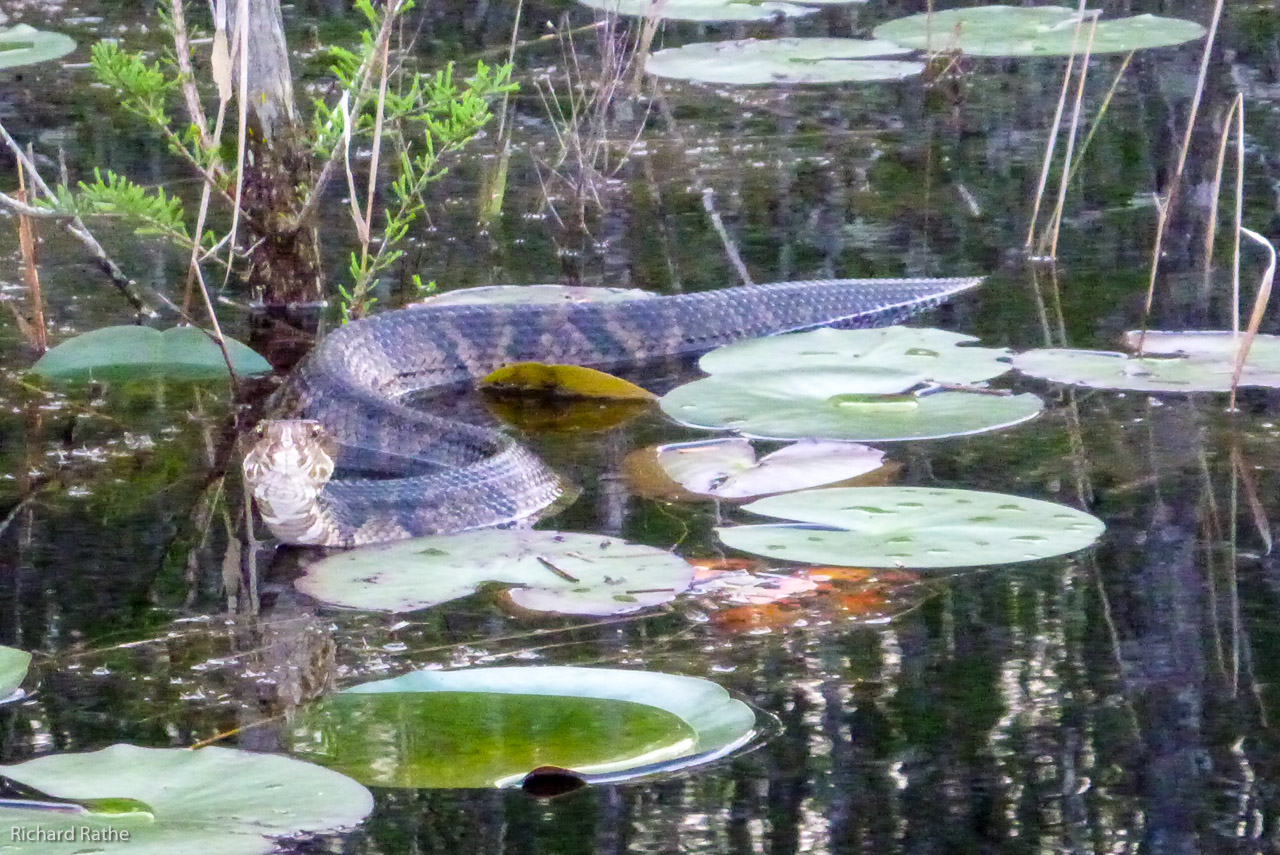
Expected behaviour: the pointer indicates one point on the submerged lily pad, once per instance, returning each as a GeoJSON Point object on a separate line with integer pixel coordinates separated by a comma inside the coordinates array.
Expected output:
{"type": "Point", "coordinates": [490, 727]}
{"type": "Point", "coordinates": [215, 801]}
{"type": "Point", "coordinates": [131, 352]}
{"type": "Point", "coordinates": [834, 404]}
{"type": "Point", "coordinates": [728, 468]}
{"type": "Point", "coordinates": [753, 62]}
{"type": "Point", "coordinates": [1032, 31]}
{"type": "Point", "coordinates": [24, 45]}
{"type": "Point", "coordinates": [918, 354]}
{"type": "Point", "coordinates": [912, 527]}
{"type": "Point", "coordinates": [14, 664]}
{"type": "Point", "coordinates": [1192, 361]}
{"type": "Point", "coordinates": [569, 381]}
{"type": "Point", "coordinates": [711, 10]}
{"type": "Point", "coordinates": [550, 571]}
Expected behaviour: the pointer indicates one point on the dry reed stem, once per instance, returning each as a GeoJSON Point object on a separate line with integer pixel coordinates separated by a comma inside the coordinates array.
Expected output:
{"type": "Point", "coordinates": [1055, 222]}
{"type": "Point", "coordinates": [1054, 127]}
{"type": "Point", "coordinates": [1235, 111]}
{"type": "Point", "coordinates": [1259, 308]}
{"type": "Point", "coordinates": [33, 328]}
{"type": "Point", "coordinates": [242, 50]}
{"type": "Point", "coordinates": [186, 76]}
{"type": "Point", "coordinates": [1164, 209]}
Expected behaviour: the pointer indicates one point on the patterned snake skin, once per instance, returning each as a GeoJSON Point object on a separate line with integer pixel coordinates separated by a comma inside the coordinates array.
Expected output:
{"type": "Point", "coordinates": [435, 475]}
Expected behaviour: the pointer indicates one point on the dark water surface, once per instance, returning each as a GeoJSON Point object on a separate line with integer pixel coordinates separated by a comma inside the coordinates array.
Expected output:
{"type": "Point", "coordinates": [1122, 699]}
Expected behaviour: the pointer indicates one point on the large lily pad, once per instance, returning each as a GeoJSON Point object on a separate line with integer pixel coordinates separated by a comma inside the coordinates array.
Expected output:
{"type": "Point", "coordinates": [754, 62]}
{"type": "Point", "coordinates": [13, 670]}
{"type": "Point", "coordinates": [917, 353]}
{"type": "Point", "coordinates": [710, 10]}
{"type": "Point", "coordinates": [489, 727]}
{"type": "Point", "coordinates": [1032, 31]}
{"type": "Point", "coordinates": [834, 404]}
{"type": "Point", "coordinates": [1192, 361]}
{"type": "Point", "coordinates": [131, 352]}
{"type": "Point", "coordinates": [913, 527]}
{"type": "Point", "coordinates": [549, 571]}
{"type": "Point", "coordinates": [24, 45]}
{"type": "Point", "coordinates": [728, 468]}
{"type": "Point", "coordinates": [215, 801]}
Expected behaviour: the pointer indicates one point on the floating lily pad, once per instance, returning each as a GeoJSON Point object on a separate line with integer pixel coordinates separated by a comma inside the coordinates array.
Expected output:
{"type": "Point", "coordinates": [130, 353]}
{"type": "Point", "coordinates": [489, 727]}
{"type": "Point", "coordinates": [753, 62]}
{"type": "Point", "coordinates": [1032, 31]}
{"type": "Point", "coordinates": [833, 404]}
{"type": "Point", "coordinates": [24, 45]}
{"type": "Point", "coordinates": [550, 571]}
{"type": "Point", "coordinates": [710, 10]}
{"type": "Point", "coordinates": [913, 527]}
{"type": "Point", "coordinates": [504, 294]}
{"type": "Point", "coordinates": [13, 670]}
{"type": "Point", "coordinates": [918, 354]}
{"type": "Point", "coordinates": [728, 469]}
{"type": "Point", "coordinates": [1192, 361]}
{"type": "Point", "coordinates": [215, 801]}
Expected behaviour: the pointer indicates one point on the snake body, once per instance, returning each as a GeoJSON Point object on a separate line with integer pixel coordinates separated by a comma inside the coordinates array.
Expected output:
{"type": "Point", "coordinates": [437, 475]}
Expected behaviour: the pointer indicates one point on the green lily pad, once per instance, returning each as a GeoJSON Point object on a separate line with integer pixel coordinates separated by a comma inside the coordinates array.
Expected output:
{"type": "Point", "coordinates": [913, 527]}
{"type": "Point", "coordinates": [1032, 31]}
{"type": "Point", "coordinates": [215, 801]}
{"type": "Point", "coordinates": [710, 10]}
{"type": "Point", "coordinates": [728, 468]}
{"type": "Point", "coordinates": [506, 294]}
{"type": "Point", "coordinates": [754, 62]}
{"type": "Point", "coordinates": [1190, 361]}
{"type": "Point", "coordinates": [489, 727]}
{"type": "Point", "coordinates": [918, 354]}
{"type": "Point", "coordinates": [833, 404]}
{"type": "Point", "coordinates": [550, 571]}
{"type": "Point", "coordinates": [24, 45]}
{"type": "Point", "coordinates": [13, 670]}
{"type": "Point", "coordinates": [131, 352]}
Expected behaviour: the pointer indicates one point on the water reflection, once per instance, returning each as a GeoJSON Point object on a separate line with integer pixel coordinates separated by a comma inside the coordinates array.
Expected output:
{"type": "Point", "coordinates": [1111, 703]}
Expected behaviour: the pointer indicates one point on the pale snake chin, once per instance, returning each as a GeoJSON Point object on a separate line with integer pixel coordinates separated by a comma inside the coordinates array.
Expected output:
{"type": "Point", "coordinates": [413, 472]}
{"type": "Point", "coordinates": [287, 468]}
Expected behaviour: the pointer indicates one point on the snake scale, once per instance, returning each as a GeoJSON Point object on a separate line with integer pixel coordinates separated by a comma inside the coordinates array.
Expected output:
{"type": "Point", "coordinates": [433, 474]}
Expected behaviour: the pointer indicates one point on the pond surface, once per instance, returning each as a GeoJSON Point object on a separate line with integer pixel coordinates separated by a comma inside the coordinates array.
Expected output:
{"type": "Point", "coordinates": [1121, 699]}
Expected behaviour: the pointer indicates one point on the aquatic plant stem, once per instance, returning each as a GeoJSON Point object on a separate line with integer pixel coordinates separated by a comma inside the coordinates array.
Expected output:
{"type": "Point", "coordinates": [1052, 142]}
{"type": "Point", "coordinates": [1055, 221]}
{"type": "Point", "coordinates": [1259, 308]}
{"type": "Point", "coordinates": [35, 328]}
{"type": "Point", "coordinates": [1235, 111]}
{"type": "Point", "coordinates": [1164, 209]}
{"type": "Point", "coordinates": [242, 51]}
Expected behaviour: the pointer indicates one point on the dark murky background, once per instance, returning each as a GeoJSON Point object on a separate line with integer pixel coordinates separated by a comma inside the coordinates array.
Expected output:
{"type": "Point", "coordinates": [1117, 701]}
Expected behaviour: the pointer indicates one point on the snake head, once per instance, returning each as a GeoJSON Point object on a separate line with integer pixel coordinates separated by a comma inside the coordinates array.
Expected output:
{"type": "Point", "coordinates": [289, 457]}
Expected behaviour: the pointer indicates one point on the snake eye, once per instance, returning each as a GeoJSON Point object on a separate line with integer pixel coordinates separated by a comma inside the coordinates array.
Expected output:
{"type": "Point", "coordinates": [260, 431]}
{"type": "Point", "coordinates": [316, 431]}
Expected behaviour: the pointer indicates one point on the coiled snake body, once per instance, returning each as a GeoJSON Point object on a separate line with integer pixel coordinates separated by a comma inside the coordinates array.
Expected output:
{"type": "Point", "coordinates": [438, 475]}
